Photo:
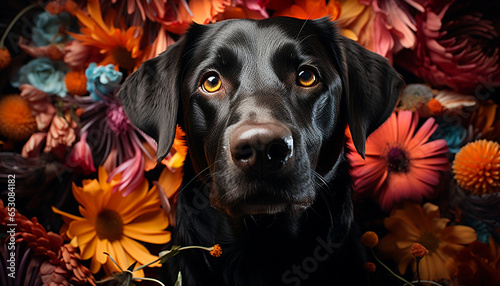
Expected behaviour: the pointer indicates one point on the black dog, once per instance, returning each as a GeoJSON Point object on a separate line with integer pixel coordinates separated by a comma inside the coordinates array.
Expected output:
{"type": "Point", "coordinates": [264, 105]}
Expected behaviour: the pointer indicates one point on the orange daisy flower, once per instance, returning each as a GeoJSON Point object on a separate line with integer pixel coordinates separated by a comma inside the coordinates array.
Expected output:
{"type": "Point", "coordinates": [120, 46]}
{"type": "Point", "coordinates": [399, 163]}
{"type": "Point", "coordinates": [112, 223]}
{"type": "Point", "coordinates": [415, 224]}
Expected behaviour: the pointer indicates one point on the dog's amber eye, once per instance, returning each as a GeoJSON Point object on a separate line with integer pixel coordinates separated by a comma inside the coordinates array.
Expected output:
{"type": "Point", "coordinates": [211, 83]}
{"type": "Point", "coordinates": [306, 77]}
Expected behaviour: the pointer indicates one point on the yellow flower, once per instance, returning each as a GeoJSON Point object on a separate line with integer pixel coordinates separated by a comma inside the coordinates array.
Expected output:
{"type": "Point", "coordinates": [415, 224]}
{"type": "Point", "coordinates": [112, 223]}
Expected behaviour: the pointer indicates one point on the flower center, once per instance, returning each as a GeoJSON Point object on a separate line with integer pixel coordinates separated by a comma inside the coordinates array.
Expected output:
{"type": "Point", "coordinates": [397, 160]}
{"type": "Point", "coordinates": [117, 119]}
{"type": "Point", "coordinates": [109, 225]}
{"type": "Point", "coordinates": [430, 241]}
{"type": "Point", "coordinates": [123, 58]}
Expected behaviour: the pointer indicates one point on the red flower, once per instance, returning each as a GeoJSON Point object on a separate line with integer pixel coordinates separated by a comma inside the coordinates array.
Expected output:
{"type": "Point", "coordinates": [455, 48]}
{"type": "Point", "coordinates": [479, 264]}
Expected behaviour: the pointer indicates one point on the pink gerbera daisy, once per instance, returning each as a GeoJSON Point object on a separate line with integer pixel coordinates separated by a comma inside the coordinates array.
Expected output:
{"type": "Point", "coordinates": [400, 164]}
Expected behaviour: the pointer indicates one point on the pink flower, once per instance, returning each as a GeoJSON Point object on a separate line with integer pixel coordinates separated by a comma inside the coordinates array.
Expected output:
{"type": "Point", "coordinates": [33, 146]}
{"type": "Point", "coordinates": [120, 145]}
{"type": "Point", "coordinates": [77, 56]}
{"type": "Point", "coordinates": [35, 52]}
{"type": "Point", "coordinates": [399, 163]}
{"type": "Point", "coordinates": [61, 133]}
{"type": "Point", "coordinates": [81, 156]}
{"type": "Point", "coordinates": [40, 104]}
{"type": "Point", "coordinates": [382, 26]}
{"type": "Point", "coordinates": [456, 48]}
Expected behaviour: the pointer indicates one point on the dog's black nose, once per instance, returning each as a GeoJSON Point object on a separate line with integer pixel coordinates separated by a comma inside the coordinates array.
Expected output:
{"type": "Point", "coordinates": [261, 148]}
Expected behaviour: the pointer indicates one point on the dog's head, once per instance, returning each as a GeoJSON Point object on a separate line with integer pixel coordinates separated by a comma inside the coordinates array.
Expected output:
{"type": "Point", "coordinates": [264, 105]}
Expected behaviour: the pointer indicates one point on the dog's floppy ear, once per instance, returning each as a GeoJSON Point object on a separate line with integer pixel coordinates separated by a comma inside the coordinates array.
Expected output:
{"type": "Point", "coordinates": [151, 95]}
{"type": "Point", "coordinates": [371, 86]}
{"type": "Point", "coordinates": [371, 90]}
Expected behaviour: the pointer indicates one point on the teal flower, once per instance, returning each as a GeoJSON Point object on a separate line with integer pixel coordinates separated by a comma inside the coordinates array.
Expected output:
{"type": "Point", "coordinates": [102, 80]}
{"type": "Point", "coordinates": [44, 74]}
{"type": "Point", "coordinates": [454, 135]}
{"type": "Point", "coordinates": [47, 28]}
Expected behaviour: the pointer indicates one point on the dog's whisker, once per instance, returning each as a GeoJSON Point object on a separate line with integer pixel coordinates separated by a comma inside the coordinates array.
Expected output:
{"type": "Point", "coordinates": [196, 177]}
{"type": "Point", "coordinates": [324, 192]}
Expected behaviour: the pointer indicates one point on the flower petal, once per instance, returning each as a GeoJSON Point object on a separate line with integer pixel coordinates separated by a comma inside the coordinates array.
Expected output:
{"type": "Point", "coordinates": [138, 251]}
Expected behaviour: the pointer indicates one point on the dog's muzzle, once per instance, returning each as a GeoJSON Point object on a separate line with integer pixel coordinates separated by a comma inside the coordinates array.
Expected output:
{"type": "Point", "coordinates": [261, 149]}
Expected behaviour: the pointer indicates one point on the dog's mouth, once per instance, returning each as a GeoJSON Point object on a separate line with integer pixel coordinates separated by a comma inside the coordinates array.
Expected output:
{"type": "Point", "coordinates": [263, 205]}
{"type": "Point", "coordinates": [269, 209]}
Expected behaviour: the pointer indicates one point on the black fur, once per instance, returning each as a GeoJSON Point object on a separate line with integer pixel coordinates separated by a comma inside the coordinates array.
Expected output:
{"type": "Point", "coordinates": [305, 243]}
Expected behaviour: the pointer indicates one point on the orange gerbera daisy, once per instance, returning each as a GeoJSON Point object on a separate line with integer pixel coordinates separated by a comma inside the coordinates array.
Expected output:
{"type": "Point", "coordinates": [399, 164]}
{"type": "Point", "coordinates": [415, 224]}
{"type": "Point", "coordinates": [112, 223]}
{"type": "Point", "coordinates": [120, 46]}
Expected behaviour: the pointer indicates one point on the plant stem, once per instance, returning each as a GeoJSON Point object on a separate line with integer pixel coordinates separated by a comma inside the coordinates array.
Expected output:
{"type": "Point", "coordinates": [429, 282]}
{"type": "Point", "coordinates": [180, 249]}
{"type": "Point", "coordinates": [418, 272]}
{"type": "Point", "coordinates": [390, 271]}
{"type": "Point", "coordinates": [14, 21]}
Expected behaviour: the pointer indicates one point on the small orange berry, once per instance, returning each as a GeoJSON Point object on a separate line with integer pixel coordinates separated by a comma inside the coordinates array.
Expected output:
{"type": "Point", "coordinates": [54, 8]}
{"type": "Point", "coordinates": [369, 239]}
{"type": "Point", "coordinates": [76, 82]}
{"type": "Point", "coordinates": [71, 7]}
{"type": "Point", "coordinates": [435, 107]}
{"type": "Point", "coordinates": [216, 251]}
{"type": "Point", "coordinates": [370, 266]}
{"type": "Point", "coordinates": [418, 250]}
{"type": "Point", "coordinates": [5, 58]}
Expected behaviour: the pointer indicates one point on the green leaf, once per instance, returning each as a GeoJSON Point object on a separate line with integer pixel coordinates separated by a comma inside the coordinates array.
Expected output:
{"type": "Point", "coordinates": [179, 279]}
{"type": "Point", "coordinates": [173, 252]}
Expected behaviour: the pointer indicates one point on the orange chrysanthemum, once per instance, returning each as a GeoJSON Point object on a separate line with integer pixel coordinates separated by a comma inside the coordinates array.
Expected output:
{"type": "Point", "coordinates": [5, 58]}
{"type": "Point", "coordinates": [400, 164]}
{"type": "Point", "coordinates": [369, 239]}
{"type": "Point", "coordinates": [16, 120]}
{"type": "Point", "coordinates": [112, 223]}
{"type": "Point", "coordinates": [119, 45]}
{"type": "Point", "coordinates": [76, 82]}
{"type": "Point", "coordinates": [477, 167]}
{"type": "Point", "coordinates": [415, 224]}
